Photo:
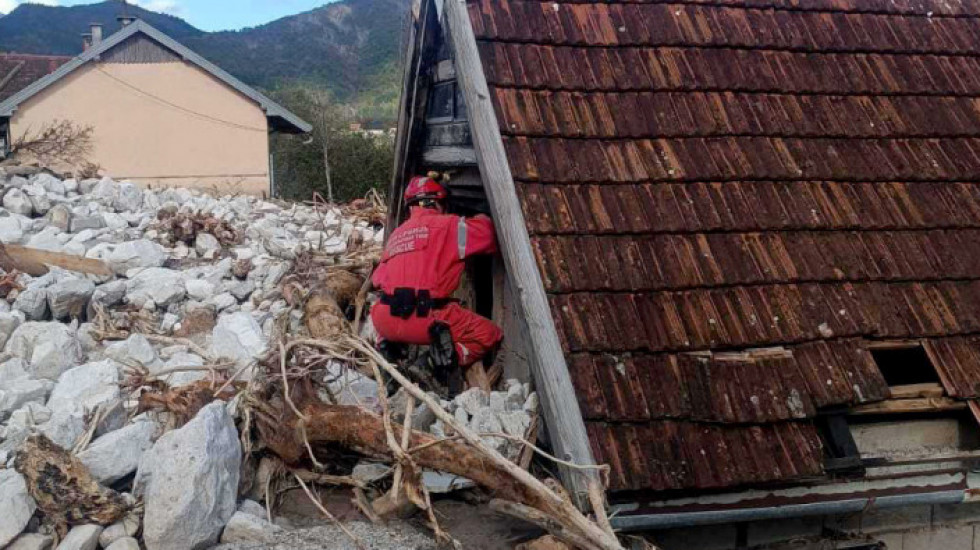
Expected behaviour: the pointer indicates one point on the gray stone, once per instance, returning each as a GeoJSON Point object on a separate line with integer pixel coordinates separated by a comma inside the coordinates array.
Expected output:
{"type": "Point", "coordinates": [134, 254]}
{"type": "Point", "coordinates": [33, 303]}
{"type": "Point", "coordinates": [32, 541]}
{"type": "Point", "coordinates": [81, 223]}
{"type": "Point", "coordinates": [246, 528]}
{"type": "Point", "coordinates": [59, 216]}
{"type": "Point", "coordinates": [125, 543]}
{"type": "Point", "coordinates": [18, 202]}
{"type": "Point", "coordinates": [68, 299]}
{"type": "Point", "coordinates": [134, 350]}
{"type": "Point", "coordinates": [158, 285]}
{"type": "Point", "coordinates": [183, 378]}
{"type": "Point", "coordinates": [369, 472]}
{"type": "Point", "coordinates": [107, 295]}
{"type": "Point", "coordinates": [87, 386]}
{"type": "Point", "coordinates": [117, 454]}
{"type": "Point", "coordinates": [64, 428]}
{"type": "Point", "coordinates": [17, 393]}
{"type": "Point", "coordinates": [127, 527]}
{"type": "Point", "coordinates": [82, 537]}
{"type": "Point", "coordinates": [16, 503]}
{"type": "Point", "coordinates": [129, 197]}
{"type": "Point", "coordinates": [40, 201]}
{"type": "Point", "coordinates": [48, 239]}
{"type": "Point", "coordinates": [472, 400]}
{"type": "Point", "coordinates": [238, 337]}
{"type": "Point", "coordinates": [190, 482]}
{"type": "Point", "coordinates": [199, 289]}
{"type": "Point", "coordinates": [206, 243]}
{"type": "Point", "coordinates": [241, 290]}
{"type": "Point", "coordinates": [222, 302]}
{"type": "Point", "coordinates": [48, 348]}
{"type": "Point", "coordinates": [11, 230]}
{"type": "Point", "coordinates": [105, 189]}
{"type": "Point", "coordinates": [13, 369]}
{"type": "Point", "coordinates": [31, 414]}
{"type": "Point", "coordinates": [49, 183]}
{"type": "Point", "coordinates": [514, 423]}
{"type": "Point", "coordinates": [9, 322]}
{"type": "Point", "coordinates": [252, 508]}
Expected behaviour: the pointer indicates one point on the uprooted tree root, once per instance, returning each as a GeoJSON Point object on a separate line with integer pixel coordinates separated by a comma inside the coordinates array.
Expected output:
{"type": "Point", "coordinates": [64, 489]}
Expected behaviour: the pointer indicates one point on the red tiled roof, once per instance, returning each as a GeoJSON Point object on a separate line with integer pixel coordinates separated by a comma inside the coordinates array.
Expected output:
{"type": "Point", "coordinates": [18, 71]}
{"type": "Point", "coordinates": [715, 176]}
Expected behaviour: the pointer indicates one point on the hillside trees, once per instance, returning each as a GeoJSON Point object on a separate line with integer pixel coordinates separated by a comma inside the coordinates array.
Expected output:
{"type": "Point", "coordinates": [358, 161]}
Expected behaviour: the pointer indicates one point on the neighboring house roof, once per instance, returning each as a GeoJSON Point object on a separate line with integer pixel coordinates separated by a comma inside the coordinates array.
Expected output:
{"type": "Point", "coordinates": [721, 176]}
{"type": "Point", "coordinates": [17, 71]}
{"type": "Point", "coordinates": [279, 118]}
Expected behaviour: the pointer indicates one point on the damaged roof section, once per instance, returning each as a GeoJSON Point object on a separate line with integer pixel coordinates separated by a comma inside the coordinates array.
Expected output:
{"type": "Point", "coordinates": [18, 71]}
{"type": "Point", "coordinates": [729, 200]}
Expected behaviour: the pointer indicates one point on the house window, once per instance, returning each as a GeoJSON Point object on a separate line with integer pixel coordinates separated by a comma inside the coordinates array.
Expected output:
{"type": "Point", "coordinates": [442, 102]}
{"type": "Point", "coordinates": [904, 365]}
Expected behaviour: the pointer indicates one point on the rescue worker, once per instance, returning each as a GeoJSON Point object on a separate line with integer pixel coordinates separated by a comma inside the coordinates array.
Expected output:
{"type": "Point", "coordinates": [420, 270]}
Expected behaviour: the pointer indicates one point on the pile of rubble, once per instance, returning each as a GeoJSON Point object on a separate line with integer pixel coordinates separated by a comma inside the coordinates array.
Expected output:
{"type": "Point", "coordinates": [139, 378]}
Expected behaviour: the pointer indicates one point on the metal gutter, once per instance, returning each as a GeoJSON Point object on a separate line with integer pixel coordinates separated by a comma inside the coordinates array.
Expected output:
{"type": "Point", "coordinates": [646, 522]}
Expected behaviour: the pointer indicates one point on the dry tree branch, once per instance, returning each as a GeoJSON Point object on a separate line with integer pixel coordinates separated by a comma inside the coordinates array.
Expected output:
{"type": "Point", "coordinates": [59, 141]}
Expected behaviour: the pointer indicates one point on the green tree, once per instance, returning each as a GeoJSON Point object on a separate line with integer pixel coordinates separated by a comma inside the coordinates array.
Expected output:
{"type": "Point", "coordinates": [358, 160]}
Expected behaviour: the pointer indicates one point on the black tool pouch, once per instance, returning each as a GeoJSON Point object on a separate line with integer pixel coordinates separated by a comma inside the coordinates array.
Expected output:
{"type": "Point", "coordinates": [423, 304]}
{"type": "Point", "coordinates": [403, 302]}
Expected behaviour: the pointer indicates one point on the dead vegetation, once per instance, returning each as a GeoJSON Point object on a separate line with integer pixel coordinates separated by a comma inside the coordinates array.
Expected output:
{"type": "Point", "coordinates": [60, 142]}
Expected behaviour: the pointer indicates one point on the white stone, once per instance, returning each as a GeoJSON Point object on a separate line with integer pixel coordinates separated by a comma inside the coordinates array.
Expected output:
{"type": "Point", "coordinates": [253, 508]}
{"type": "Point", "coordinates": [13, 369]}
{"type": "Point", "coordinates": [125, 543]}
{"type": "Point", "coordinates": [69, 298]}
{"type": "Point", "coordinates": [17, 393]}
{"type": "Point", "coordinates": [161, 286]}
{"type": "Point", "coordinates": [82, 537]}
{"type": "Point", "coordinates": [182, 378]}
{"type": "Point", "coordinates": [199, 289]}
{"type": "Point", "coordinates": [473, 400]}
{"type": "Point", "coordinates": [81, 223]}
{"type": "Point", "coordinates": [190, 482]}
{"type": "Point", "coordinates": [18, 202]}
{"type": "Point", "coordinates": [49, 348]}
{"type": "Point", "coordinates": [117, 454]}
{"type": "Point", "coordinates": [48, 239]}
{"type": "Point", "coordinates": [11, 231]}
{"type": "Point", "coordinates": [50, 183]}
{"type": "Point", "coordinates": [133, 254]}
{"type": "Point", "coordinates": [59, 216]}
{"type": "Point", "coordinates": [16, 504]}
{"type": "Point", "coordinates": [32, 541]}
{"type": "Point", "coordinates": [129, 197]}
{"type": "Point", "coordinates": [515, 423]}
{"type": "Point", "coordinates": [135, 349]}
{"type": "Point", "coordinates": [64, 428]}
{"type": "Point", "coordinates": [9, 321]}
{"type": "Point", "coordinates": [87, 388]}
{"type": "Point", "coordinates": [206, 243]}
{"type": "Point", "coordinates": [238, 337]}
{"type": "Point", "coordinates": [127, 527]}
{"type": "Point", "coordinates": [33, 303]}
{"type": "Point", "coordinates": [246, 528]}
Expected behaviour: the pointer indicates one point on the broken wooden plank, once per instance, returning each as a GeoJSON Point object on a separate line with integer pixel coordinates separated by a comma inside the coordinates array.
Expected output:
{"type": "Point", "coordinates": [904, 406]}
{"type": "Point", "coordinates": [911, 391]}
{"type": "Point", "coordinates": [36, 262]}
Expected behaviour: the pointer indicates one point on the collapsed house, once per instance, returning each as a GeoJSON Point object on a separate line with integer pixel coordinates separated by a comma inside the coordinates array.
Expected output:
{"type": "Point", "coordinates": [739, 249]}
{"type": "Point", "coordinates": [140, 90]}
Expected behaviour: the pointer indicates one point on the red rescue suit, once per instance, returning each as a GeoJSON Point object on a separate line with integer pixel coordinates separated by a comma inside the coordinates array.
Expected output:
{"type": "Point", "coordinates": [427, 252]}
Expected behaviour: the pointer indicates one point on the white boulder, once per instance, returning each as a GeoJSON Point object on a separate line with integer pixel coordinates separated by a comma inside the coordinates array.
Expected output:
{"type": "Point", "coordinates": [133, 254]}
{"type": "Point", "coordinates": [117, 454]}
{"type": "Point", "coordinates": [48, 348]}
{"type": "Point", "coordinates": [16, 503]}
{"type": "Point", "coordinates": [190, 482]}
{"type": "Point", "coordinates": [239, 337]}
{"type": "Point", "coordinates": [82, 537]}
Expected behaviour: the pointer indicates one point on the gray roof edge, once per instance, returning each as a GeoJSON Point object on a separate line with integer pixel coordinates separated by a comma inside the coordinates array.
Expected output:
{"type": "Point", "coordinates": [271, 108]}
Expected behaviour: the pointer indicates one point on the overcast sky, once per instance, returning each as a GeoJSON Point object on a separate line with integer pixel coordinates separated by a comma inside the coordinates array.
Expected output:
{"type": "Point", "coordinates": [210, 15]}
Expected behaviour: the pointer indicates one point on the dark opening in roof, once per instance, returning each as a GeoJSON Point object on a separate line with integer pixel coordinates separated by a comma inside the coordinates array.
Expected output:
{"type": "Point", "coordinates": [902, 366]}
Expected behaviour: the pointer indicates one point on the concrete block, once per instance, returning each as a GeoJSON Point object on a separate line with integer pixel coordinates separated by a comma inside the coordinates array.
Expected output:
{"type": "Point", "coordinates": [768, 532]}
{"type": "Point", "coordinates": [956, 514]}
{"type": "Point", "coordinates": [944, 538]}
{"type": "Point", "coordinates": [709, 537]}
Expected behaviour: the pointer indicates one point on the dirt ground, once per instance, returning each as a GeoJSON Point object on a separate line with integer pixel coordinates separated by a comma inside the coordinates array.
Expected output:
{"type": "Point", "coordinates": [474, 526]}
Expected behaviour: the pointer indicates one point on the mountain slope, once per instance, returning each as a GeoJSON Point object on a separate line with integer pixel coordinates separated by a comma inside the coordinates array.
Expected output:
{"type": "Point", "coordinates": [351, 47]}
{"type": "Point", "coordinates": [33, 28]}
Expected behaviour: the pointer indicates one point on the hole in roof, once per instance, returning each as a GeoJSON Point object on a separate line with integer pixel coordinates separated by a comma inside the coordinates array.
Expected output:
{"type": "Point", "coordinates": [902, 366]}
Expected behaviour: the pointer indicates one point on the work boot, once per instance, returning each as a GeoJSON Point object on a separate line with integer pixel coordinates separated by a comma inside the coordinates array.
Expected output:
{"type": "Point", "coordinates": [421, 372]}
{"type": "Point", "coordinates": [443, 357]}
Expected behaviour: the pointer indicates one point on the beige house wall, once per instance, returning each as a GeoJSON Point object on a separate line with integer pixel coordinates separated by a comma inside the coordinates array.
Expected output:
{"type": "Point", "coordinates": [160, 124]}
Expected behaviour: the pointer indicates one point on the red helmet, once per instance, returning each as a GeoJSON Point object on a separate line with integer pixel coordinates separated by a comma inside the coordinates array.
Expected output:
{"type": "Point", "coordinates": [422, 188]}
